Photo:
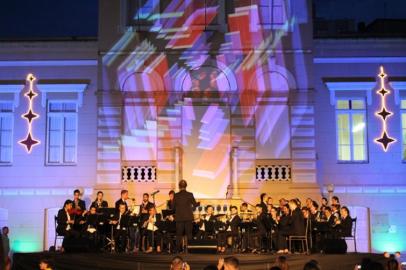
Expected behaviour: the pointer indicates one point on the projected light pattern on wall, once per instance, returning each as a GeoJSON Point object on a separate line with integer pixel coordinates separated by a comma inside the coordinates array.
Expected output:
{"type": "Point", "coordinates": [206, 76]}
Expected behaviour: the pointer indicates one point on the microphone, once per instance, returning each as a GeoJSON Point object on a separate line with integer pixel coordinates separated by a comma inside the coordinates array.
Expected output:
{"type": "Point", "coordinates": [155, 192]}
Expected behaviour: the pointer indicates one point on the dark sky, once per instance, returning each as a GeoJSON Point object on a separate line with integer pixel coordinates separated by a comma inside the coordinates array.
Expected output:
{"type": "Point", "coordinates": [66, 18]}
{"type": "Point", "coordinates": [48, 18]}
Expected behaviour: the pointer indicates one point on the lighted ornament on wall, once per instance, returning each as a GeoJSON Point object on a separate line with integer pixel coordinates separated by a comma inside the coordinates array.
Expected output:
{"type": "Point", "coordinates": [29, 142]}
{"type": "Point", "coordinates": [385, 140]}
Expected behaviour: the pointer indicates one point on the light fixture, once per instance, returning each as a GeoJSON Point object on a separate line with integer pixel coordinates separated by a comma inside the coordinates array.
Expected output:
{"type": "Point", "coordinates": [384, 139]}
{"type": "Point", "coordinates": [29, 142]}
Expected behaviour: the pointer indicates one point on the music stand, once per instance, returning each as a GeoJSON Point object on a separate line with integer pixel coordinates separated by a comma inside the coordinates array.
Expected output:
{"type": "Point", "coordinates": [108, 213]}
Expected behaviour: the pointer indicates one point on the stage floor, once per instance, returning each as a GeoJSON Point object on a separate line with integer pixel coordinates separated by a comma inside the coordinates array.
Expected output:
{"type": "Point", "coordinates": [107, 261]}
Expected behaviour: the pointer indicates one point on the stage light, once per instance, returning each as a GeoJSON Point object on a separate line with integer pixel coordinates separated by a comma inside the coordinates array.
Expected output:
{"type": "Point", "coordinates": [29, 142]}
{"type": "Point", "coordinates": [384, 139]}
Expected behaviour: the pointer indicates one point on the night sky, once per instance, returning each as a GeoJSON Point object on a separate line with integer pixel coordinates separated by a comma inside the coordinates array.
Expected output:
{"type": "Point", "coordinates": [20, 19]}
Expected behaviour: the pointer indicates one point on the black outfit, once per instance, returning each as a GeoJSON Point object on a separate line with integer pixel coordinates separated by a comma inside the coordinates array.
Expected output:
{"type": "Point", "coordinates": [261, 225]}
{"type": "Point", "coordinates": [98, 205]}
{"type": "Point", "coordinates": [145, 207]}
{"type": "Point", "coordinates": [297, 223]}
{"type": "Point", "coordinates": [231, 229]}
{"type": "Point", "coordinates": [264, 207]}
{"type": "Point", "coordinates": [184, 204]}
{"type": "Point", "coordinates": [121, 231]}
{"type": "Point", "coordinates": [283, 231]}
{"type": "Point", "coordinates": [209, 227]}
{"type": "Point", "coordinates": [170, 204]}
{"type": "Point", "coordinates": [80, 203]}
{"type": "Point", "coordinates": [121, 201]}
{"type": "Point", "coordinates": [62, 220]}
{"type": "Point", "coordinates": [344, 229]}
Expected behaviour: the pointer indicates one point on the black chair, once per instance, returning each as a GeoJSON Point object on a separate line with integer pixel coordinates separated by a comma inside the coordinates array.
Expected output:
{"type": "Point", "coordinates": [353, 233]}
{"type": "Point", "coordinates": [57, 236]}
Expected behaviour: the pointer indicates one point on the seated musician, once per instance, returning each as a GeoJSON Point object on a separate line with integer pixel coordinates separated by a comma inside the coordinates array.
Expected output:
{"type": "Point", "coordinates": [92, 221]}
{"type": "Point", "coordinates": [283, 229]}
{"type": "Point", "coordinates": [261, 223]}
{"type": "Point", "coordinates": [120, 222]}
{"type": "Point", "coordinates": [123, 200]}
{"type": "Point", "coordinates": [344, 224]}
{"type": "Point", "coordinates": [273, 223]}
{"type": "Point", "coordinates": [230, 229]}
{"type": "Point", "coordinates": [206, 224]}
{"type": "Point", "coordinates": [244, 208]}
{"type": "Point", "coordinates": [99, 202]}
{"type": "Point", "coordinates": [65, 222]}
{"type": "Point", "coordinates": [146, 204]}
{"type": "Point", "coordinates": [151, 226]}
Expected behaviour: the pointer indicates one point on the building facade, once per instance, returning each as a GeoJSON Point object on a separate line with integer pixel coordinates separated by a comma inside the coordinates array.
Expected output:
{"type": "Point", "coordinates": [236, 97]}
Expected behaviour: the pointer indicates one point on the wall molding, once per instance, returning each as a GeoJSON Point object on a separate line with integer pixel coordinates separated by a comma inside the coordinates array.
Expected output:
{"type": "Point", "coordinates": [398, 86]}
{"type": "Point", "coordinates": [62, 88]}
{"type": "Point", "coordinates": [367, 190]}
{"type": "Point", "coordinates": [66, 191]}
{"type": "Point", "coordinates": [12, 89]}
{"type": "Point", "coordinates": [358, 60]}
{"type": "Point", "coordinates": [333, 87]}
{"type": "Point", "coordinates": [45, 63]}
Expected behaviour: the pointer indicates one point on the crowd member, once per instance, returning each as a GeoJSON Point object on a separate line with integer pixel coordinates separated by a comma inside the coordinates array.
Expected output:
{"type": "Point", "coordinates": [178, 263]}
{"type": "Point", "coordinates": [312, 265]}
{"type": "Point", "coordinates": [228, 263]}
{"type": "Point", "coordinates": [45, 264]}
{"type": "Point", "coordinates": [282, 263]}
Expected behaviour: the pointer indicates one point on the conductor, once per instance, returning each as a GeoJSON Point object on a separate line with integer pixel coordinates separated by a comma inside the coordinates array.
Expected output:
{"type": "Point", "coordinates": [184, 204]}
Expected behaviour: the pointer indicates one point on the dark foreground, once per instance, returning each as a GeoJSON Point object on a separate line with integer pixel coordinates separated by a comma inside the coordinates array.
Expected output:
{"type": "Point", "coordinates": [107, 261]}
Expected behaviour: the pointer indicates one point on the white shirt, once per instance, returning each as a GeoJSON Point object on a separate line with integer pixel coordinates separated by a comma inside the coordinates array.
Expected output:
{"type": "Point", "coordinates": [151, 225]}
{"type": "Point", "coordinates": [68, 216]}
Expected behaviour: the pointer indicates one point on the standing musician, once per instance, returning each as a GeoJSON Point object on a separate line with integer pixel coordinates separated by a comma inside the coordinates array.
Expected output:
{"type": "Point", "coordinates": [273, 223]}
{"type": "Point", "coordinates": [170, 202]}
{"type": "Point", "coordinates": [184, 204]}
{"type": "Point", "coordinates": [78, 204]}
{"type": "Point", "coordinates": [122, 200]}
{"type": "Point", "coordinates": [151, 225]}
{"type": "Point", "coordinates": [283, 229]}
{"type": "Point", "coordinates": [120, 222]}
{"type": "Point", "coordinates": [260, 221]}
{"type": "Point", "coordinates": [99, 202]}
{"type": "Point", "coordinates": [146, 204]}
{"type": "Point", "coordinates": [206, 223]}
{"type": "Point", "coordinates": [263, 202]}
{"type": "Point", "coordinates": [230, 229]}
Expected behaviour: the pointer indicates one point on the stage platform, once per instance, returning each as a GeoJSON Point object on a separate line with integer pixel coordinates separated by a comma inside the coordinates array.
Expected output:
{"type": "Point", "coordinates": [107, 261]}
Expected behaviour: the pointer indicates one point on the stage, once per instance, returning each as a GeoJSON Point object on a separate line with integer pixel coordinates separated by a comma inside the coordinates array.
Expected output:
{"type": "Point", "coordinates": [107, 261]}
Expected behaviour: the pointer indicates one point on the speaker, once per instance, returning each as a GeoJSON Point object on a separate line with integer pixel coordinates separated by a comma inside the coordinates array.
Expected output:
{"type": "Point", "coordinates": [335, 246]}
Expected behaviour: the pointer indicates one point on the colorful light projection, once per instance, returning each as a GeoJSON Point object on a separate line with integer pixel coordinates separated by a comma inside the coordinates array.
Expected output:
{"type": "Point", "coordinates": [29, 142]}
{"type": "Point", "coordinates": [180, 70]}
{"type": "Point", "coordinates": [384, 139]}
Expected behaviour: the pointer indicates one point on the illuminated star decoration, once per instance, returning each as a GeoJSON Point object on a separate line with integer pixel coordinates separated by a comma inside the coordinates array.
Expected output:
{"type": "Point", "coordinates": [29, 142]}
{"type": "Point", "coordinates": [385, 140]}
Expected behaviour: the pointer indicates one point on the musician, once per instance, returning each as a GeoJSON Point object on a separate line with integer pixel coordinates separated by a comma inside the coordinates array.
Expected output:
{"type": "Point", "coordinates": [263, 202]}
{"type": "Point", "coordinates": [335, 208]}
{"type": "Point", "coordinates": [273, 223]}
{"type": "Point", "coordinates": [184, 204]}
{"type": "Point", "coordinates": [92, 221]}
{"type": "Point", "coordinates": [78, 204]}
{"type": "Point", "coordinates": [283, 229]}
{"type": "Point", "coordinates": [65, 222]}
{"type": "Point", "coordinates": [244, 208]}
{"type": "Point", "coordinates": [99, 202]}
{"type": "Point", "coordinates": [206, 224]}
{"type": "Point", "coordinates": [146, 204]}
{"type": "Point", "coordinates": [230, 229]}
{"type": "Point", "coordinates": [151, 225]}
{"type": "Point", "coordinates": [120, 222]}
{"type": "Point", "coordinates": [170, 202]}
{"type": "Point", "coordinates": [297, 220]}
{"type": "Point", "coordinates": [330, 219]}
{"type": "Point", "coordinates": [261, 223]}
{"type": "Point", "coordinates": [344, 224]}
{"type": "Point", "coordinates": [335, 200]}
{"type": "Point", "coordinates": [122, 200]}
{"type": "Point", "coordinates": [309, 203]}
{"type": "Point", "coordinates": [315, 214]}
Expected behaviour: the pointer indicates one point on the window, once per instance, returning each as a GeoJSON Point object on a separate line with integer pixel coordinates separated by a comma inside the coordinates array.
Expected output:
{"type": "Point", "coordinates": [403, 119]}
{"type": "Point", "coordinates": [351, 130]}
{"type": "Point", "coordinates": [62, 133]}
{"type": "Point", "coordinates": [6, 132]}
{"type": "Point", "coordinates": [273, 13]}
{"type": "Point", "coordinates": [143, 14]}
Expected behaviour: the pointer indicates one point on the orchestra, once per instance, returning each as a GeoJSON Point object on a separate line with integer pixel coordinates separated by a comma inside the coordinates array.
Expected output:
{"type": "Point", "coordinates": [265, 227]}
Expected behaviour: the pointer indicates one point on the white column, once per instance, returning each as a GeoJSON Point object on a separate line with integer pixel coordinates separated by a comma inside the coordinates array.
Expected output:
{"type": "Point", "coordinates": [178, 167]}
{"type": "Point", "coordinates": [234, 173]}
